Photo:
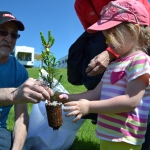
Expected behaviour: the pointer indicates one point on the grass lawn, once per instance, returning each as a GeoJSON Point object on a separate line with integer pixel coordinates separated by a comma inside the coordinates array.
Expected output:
{"type": "Point", "coordinates": [85, 138]}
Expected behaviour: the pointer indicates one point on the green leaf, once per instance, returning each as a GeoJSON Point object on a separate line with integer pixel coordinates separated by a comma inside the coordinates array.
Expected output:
{"type": "Point", "coordinates": [49, 60]}
{"type": "Point", "coordinates": [43, 39]}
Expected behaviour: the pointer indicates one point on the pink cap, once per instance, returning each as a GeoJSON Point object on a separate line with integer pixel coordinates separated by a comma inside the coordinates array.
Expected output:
{"type": "Point", "coordinates": [120, 11]}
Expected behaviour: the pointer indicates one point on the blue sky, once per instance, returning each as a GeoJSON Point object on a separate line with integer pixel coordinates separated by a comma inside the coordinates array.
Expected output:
{"type": "Point", "coordinates": [58, 16]}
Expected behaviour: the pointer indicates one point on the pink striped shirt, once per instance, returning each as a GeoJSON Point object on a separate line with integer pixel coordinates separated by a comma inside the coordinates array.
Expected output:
{"type": "Point", "coordinates": [129, 127]}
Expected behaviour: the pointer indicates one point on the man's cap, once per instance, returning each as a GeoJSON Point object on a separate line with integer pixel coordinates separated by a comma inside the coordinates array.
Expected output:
{"type": "Point", "coordinates": [6, 16]}
{"type": "Point", "coordinates": [120, 11]}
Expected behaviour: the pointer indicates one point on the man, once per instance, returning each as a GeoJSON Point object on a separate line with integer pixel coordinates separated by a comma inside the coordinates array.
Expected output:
{"type": "Point", "coordinates": [15, 87]}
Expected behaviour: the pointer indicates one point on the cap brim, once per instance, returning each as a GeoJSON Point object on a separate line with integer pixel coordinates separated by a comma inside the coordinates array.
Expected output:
{"type": "Point", "coordinates": [18, 23]}
{"type": "Point", "coordinates": [102, 25]}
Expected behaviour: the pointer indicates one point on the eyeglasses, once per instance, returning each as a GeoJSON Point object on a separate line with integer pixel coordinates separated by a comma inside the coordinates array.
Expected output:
{"type": "Point", "coordinates": [5, 33]}
{"type": "Point", "coordinates": [105, 8]}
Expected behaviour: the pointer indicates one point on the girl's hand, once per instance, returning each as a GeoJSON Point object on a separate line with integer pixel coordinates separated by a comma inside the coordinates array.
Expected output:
{"type": "Point", "coordinates": [77, 109]}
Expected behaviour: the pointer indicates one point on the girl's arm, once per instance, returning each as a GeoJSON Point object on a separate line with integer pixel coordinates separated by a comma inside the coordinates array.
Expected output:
{"type": "Point", "coordinates": [90, 95]}
{"type": "Point", "coordinates": [124, 103]}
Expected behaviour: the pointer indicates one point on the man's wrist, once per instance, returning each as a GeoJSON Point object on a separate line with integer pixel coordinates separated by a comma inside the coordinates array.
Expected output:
{"type": "Point", "coordinates": [7, 96]}
{"type": "Point", "coordinates": [111, 56]}
{"type": "Point", "coordinates": [112, 52]}
{"type": "Point", "coordinates": [13, 95]}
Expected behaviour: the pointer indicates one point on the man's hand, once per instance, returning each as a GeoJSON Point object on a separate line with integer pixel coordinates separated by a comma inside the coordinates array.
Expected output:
{"type": "Point", "coordinates": [99, 63]}
{"type": "Point", "coordinates": [31, 91]}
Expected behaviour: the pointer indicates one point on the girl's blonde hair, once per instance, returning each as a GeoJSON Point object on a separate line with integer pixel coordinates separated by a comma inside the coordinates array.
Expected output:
{"type": "Point", "coordinates": [139, 38]}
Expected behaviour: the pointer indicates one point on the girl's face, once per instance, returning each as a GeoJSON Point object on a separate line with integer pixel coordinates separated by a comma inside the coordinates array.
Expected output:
{"type": "Point", "coordinates": [126, 43]}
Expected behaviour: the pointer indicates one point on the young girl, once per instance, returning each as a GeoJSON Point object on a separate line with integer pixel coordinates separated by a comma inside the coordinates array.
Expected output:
{"type": "Point", "coordinates": [124, 91]}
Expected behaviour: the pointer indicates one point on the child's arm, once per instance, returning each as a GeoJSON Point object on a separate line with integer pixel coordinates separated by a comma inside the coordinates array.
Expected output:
{"type": "Point", "coordinates": [124, 103]}
{"type": "Point", "coordinates": [90, 95]}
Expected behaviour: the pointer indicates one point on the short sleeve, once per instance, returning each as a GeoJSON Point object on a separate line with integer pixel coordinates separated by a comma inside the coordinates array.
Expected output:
{"type": "Point", "coordinates": [139, 66]}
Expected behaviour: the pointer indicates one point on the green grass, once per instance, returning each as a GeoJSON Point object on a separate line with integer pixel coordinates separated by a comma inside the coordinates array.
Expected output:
{"type": "Point", "coordinates": [85, 138]}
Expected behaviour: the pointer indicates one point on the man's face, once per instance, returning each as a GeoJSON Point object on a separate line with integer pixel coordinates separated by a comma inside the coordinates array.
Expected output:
{"type": "Point", "coordinates": [8, 32]}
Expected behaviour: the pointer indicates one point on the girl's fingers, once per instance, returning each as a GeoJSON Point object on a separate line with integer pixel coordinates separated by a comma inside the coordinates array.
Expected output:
{"type": "Point", "coordinates": [77, 118]}
{"type": "Point", "coordinates": [73, 113]}
{"type": "Point", "coordinates": [63, 96]}
{"type": "Point", "coordinates": [70, 104]}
